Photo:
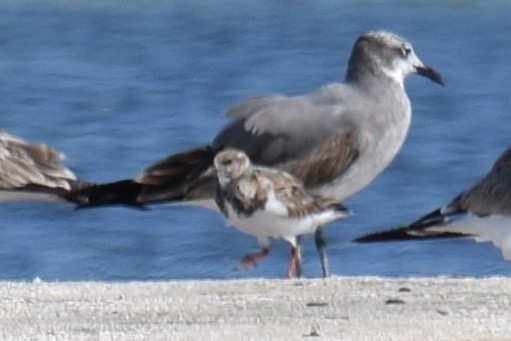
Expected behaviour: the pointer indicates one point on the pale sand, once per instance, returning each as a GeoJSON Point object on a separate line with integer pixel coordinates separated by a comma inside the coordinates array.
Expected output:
{"type": "Point", "coordinates": [348, 308]}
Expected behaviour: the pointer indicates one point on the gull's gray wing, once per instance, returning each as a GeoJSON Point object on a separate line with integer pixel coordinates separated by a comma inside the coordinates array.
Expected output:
{"type": "Point", "coordinates": [301, 134]}
{"type": "Point", "coordinates": [492, 194]}
{"type": "Point", "coordinates": [24, 164]}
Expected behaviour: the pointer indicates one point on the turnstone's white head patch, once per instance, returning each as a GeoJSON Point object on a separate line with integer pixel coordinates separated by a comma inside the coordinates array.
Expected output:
{"type": "Point", "coordinates": [231, 164]}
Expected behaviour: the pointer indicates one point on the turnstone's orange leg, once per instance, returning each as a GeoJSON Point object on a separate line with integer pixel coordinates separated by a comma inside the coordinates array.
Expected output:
{"type": "Point", "coordinates": [251, 259]}
{"type": "Point", "coordinates": [320, 242]}
{"type": "Point", "coordinates": [295, 261]}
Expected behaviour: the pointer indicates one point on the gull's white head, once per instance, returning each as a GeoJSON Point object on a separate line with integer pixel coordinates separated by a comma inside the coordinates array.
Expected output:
{"type": "Point", "coordinates": [231, 164]}
{"type": "Point", "coordinates": [384, 52]}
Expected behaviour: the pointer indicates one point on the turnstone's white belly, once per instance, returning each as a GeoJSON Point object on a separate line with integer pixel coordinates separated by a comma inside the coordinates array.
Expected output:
{"type": "Point", "coordinates": [274, 221]}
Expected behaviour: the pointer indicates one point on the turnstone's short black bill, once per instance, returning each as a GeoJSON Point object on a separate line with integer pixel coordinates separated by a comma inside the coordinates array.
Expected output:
{"type": "Point", "coordinates": [483, 212]}
{"type": "Point", "coordinates": [33, 171]}
{"type": "Point", "coordinates": [268, 203]}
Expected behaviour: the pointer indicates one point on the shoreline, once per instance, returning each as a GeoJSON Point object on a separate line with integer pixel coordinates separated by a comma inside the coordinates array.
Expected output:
{"type": "Point", "coordinates": [355, 308]}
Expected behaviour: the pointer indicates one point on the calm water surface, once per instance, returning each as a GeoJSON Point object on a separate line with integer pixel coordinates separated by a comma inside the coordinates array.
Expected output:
{"type": "Point", "coordinates": [118, 86]}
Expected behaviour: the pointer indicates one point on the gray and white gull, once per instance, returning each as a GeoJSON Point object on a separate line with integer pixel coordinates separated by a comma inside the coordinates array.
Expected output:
{"type": "Point", "coordinates": [336, 139]}
{"type": "Point", "coordinates": [483, 212]}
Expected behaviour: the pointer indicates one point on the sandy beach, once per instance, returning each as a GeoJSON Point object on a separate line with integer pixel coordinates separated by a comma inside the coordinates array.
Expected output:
{"type": "Point", "coordinates": [348, 308]}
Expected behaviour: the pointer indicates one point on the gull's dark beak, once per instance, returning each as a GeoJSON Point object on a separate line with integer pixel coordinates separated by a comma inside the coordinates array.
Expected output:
{"type": "Point", "coordinates": [430, 73]}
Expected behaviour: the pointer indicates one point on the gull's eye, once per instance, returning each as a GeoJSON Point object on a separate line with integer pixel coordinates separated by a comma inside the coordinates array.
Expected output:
{"type": "Point", "coordinates": [405, 51]}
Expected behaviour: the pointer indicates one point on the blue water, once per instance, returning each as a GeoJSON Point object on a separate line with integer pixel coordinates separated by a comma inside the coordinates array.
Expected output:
{"type": "Point", "coordinates": [117, 86]}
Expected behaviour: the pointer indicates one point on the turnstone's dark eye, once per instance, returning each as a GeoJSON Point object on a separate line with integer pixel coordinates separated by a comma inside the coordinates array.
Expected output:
{"type": "Point", "coordinates": [227, 162]}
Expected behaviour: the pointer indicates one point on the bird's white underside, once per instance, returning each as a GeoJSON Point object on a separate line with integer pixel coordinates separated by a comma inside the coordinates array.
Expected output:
{"type": "Point", "coordinates": [495, 229]}
{"type": "Point", "coordinates": [274, 221]}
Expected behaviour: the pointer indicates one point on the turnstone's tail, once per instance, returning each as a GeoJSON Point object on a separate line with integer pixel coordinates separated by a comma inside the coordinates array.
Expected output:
{"type": "Point", "coordinates": [341, 209]}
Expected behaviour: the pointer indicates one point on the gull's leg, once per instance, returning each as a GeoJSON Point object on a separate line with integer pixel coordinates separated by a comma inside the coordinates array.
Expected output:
{"type": "Point", "coordinates": [251, 259]}
{"type": "Point", "coordinates": [319, 239]}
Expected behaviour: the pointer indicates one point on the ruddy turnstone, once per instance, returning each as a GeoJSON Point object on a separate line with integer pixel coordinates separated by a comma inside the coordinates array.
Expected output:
{"type": "Point", "coordinates": [265, 202]}
{"type": "Point", "coordinates": [336, 139]}
{"type": "Point", "coordinates": [483, 212]}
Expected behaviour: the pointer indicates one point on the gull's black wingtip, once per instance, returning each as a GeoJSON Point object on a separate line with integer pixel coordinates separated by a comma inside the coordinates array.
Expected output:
{"type": "Point", "coordinates": [124, 192]}
{"type": "Point", "coordinates": [406, 233]}
{"type": "Point", "coordinates": [388, 235]}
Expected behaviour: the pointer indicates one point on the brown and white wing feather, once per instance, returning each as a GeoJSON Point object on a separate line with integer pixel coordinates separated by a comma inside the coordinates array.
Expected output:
{"type": "Point", "coordinates": [290, 191]}
{"type": "Point", "coordinates": [25, 164]}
